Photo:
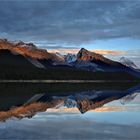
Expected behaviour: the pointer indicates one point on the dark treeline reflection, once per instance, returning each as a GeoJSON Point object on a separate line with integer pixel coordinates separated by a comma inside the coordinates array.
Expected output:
{"type": "Point", "coordinates": [26, 99]}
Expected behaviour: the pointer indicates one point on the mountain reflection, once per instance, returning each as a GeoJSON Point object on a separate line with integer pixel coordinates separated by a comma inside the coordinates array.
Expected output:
{"type": "Point", "coordinates": [84, 101]}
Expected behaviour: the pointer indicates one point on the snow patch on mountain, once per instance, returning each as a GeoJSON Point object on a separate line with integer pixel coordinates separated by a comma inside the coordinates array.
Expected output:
{"type": "Point", "coordinates": [70, 57]}
{"type": "Point", "coordinates": [86, 65]}
{"type": "Point", "coordinates": [36, 63]}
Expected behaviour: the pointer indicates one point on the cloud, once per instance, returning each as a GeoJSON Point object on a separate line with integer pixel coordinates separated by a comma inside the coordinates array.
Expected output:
{"type": "Point", "coordinates": [109, 52]}
{"type": "Point", "coordinates": [64, 51]}
{"type": "Point", "coordinates": [73, 22]}
{"type": "Point", "coordinates": [133, 53]}
{"type": "Point", "coordinates": [76, 50]}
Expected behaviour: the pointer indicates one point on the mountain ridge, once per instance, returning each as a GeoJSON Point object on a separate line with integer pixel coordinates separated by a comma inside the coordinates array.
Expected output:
{"type": "Point", "coordinates": [85, 55]}
{"type": "Point", "coordinates": [27, 49]}
{"type": "Point", "coordinates": [86, 63]}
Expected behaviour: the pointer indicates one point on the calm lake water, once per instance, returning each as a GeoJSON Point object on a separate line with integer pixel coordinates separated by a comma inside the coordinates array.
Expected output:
{"type": "Point", "coordinates": [100, 111]}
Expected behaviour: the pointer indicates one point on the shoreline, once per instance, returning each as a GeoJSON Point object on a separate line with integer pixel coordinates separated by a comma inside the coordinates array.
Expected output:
{"type": "Point", "coordinates": [67, 81]}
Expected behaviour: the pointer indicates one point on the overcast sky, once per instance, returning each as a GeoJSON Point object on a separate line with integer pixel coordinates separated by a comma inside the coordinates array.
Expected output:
{"type": "Point", "coordinates": [60, 24]}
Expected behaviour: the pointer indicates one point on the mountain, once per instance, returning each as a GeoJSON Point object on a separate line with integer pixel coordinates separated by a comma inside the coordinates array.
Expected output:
{"type": "Point", "coordinates": [85, 55]}
{"type": "Point", "coordinates": [96, 62]}
{"type": "Point", "coordinates": [100, 60]}
{"type": "Point", "coordinates": [28, 50]}
{"type": "Point", "coordinates": [38, 57]}
{"type": "Point", "coordinates": [25, 61]}
{"type": "Point", "coordinates": [127, 62]}
{"type": "Point", "coordinates": [87, 60]}
{"type": "Point", "coordinates": [18, 67]}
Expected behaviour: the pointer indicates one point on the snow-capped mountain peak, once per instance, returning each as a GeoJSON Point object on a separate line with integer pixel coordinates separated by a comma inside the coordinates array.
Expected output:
{"type": "Point", "coordinates": [70, 57]}
{"type": "Point", "coordinates": [127, 62]}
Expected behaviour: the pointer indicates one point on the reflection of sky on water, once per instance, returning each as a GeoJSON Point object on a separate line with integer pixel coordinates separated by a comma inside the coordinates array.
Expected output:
{"type": "Point", "coordinates": [73, 126]}
{"type": "Point", "coordinates": [117, 124]}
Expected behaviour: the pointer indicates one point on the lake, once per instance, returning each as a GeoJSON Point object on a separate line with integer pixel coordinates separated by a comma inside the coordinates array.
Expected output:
{"type": "Point", "coordinates": [72, 110]}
